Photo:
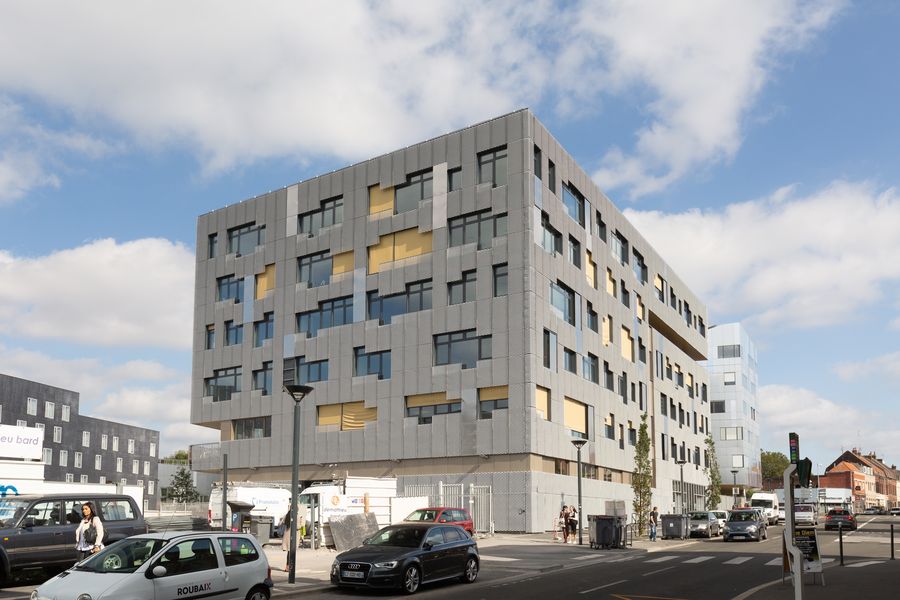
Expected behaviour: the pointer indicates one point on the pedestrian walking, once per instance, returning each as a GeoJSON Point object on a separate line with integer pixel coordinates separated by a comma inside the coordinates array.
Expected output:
{"type": "Point", "coordinates": [563, 523]}
{"type": "Point", "coordinates": [573, 523]}
{"type": "Point", "coordinates": [654, 523]}
{"type": "Point", "coordinates": [89, 534]}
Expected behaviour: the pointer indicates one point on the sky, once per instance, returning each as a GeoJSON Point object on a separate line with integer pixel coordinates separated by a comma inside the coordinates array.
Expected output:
{"type": "Point", "coordinates": [756, 145]}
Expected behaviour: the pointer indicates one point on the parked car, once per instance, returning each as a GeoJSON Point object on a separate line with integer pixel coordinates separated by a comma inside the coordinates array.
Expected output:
{"type": "Point", "coordinates": [781, 515]}
{"type": "Point", "coordinates": [722, 518]}
{"type": "Point", "coordinates": [226, 565]}
{"type": "Point", "coordinates": [441, 514]}
{"type": "Point", "coordinates": [895, 511]}
{"type": "Point", "coordinates": [745, 524]}
{"type": "Point", "coordinates": [407, 555]}
{"type": "Point", "coordinates": [870, 511]}
{"type": "Point", "coordinates": [38, 531]}
{"type": "Point", "coordinates": [839, 518]}
{"type": "Point", "coordinates": [805, 514]}
{"type": "Point", "coordinates": [704, 524]}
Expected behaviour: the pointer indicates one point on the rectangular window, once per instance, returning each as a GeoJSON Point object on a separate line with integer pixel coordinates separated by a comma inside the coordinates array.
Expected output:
{"type": "Point", "coordinates": [537, 162]}
{"type": "Point", "coordinates": [454, 179]}
{"type": "Point", "coordinates": [607, 376]}
{"type": "Point", "coordinates": [492, 167]}
{"type": "Point", "coordinates": [574, 252]}
{"type": "Point", "coordinates": [418, 187]}
{"type": "Point", "coordinates": [262, 379]}
{"type": "Point", "coordinates": [66, 412]}
{"type": "Point", "coordinates": [347, 416]}
{"type": "Point", "coordinates": [49, 410]}
{"type": "Point", "coordinates": [385, 308]}
{"type": "Point", "coordinates": [624, 295]}
{"type": "Point", "coordinates": [212, 245]}
{"type": "Point", "coordinates": [570, 360]}
{"type": "Point", "coordinates": [639, 266]}
{"type": "Point", "coordinates": [501, 277]}
{"type": "Point", "coordinates": [593, 320]}
{"type": "Point", "coordinates": [731, 433]}
{"type": "Point", "coordinates": [307, 372]}
{"type": "Point", "coordinates": [31, 406]}
{"type": "Point", "coordinates": [609, 426]}
{"type": "Point", "coordinates": [372, 363]}
{"type": "Point", "coordinates": [463, 290]}
{"type": "Point", "coordinates": [151, 487]}
{"type": "Point", "coordinates": [663, 405]}
{"type": "Point", "coordinates": [737, 460]}
{"type": "Point", "coordinates": [98, 461]}
{"type": "Point", "coordinates": [57, 434]}
{"type": "Point", "coordinates": [84, 479]}
{"type": "Point", "coordinates": [119, 464]}
{"type": "Point", "coordinates": [146, 467]}
{"type": "Point", "coordinates": [245, 239]}
{"type": "Point", "coordinates": [562, 298]}
{"type": "Point", "coordinates": [78, 458]}
{"type": "Point", "coordinates": [315, 269]}
{"type": "Point", "coordinates": [730, 351]}
{"type": "Point", "coordinates": [130, 446]}
{"type": "Point", "coordinates": [64, 458]}
{"type": "Point", "coordinates": [491, 399]}
{"type": "Point", "coordinates": [229, 288]}
{"type": "Point", "coordinates": [551, 239]}
{"type": "Point", "coordinates": [542, 402]}
{"type": "Point", "coordinates": [591, 368]}
{"type": "Point", "coordinates": [115, 443]}
{"type": "Point", "coordinates": [330, 212]}
{"type": "Point", "coordinates": [663, 448]}
{"type": "Point", "coordinates": [48, 456]}
{"type": "Point", "coordinates": [264, 330]}
{"type": "Point", "coordinates": [86, 439]}
{"type": "Point", "coordinates": [728, 378]}
{"type": "Point", "coordinates": [220, 386]}
{"type": "Point", "coordinates": [331, 313]}
{"type": "Point", "coordinates": [619, 248]}
{"type": "Point", "coordinates": [152, 448]}
{"type": "Point", "coordinates": [549, 349]}
{"type": "Point", "coordinates": [425, 406]}
{"type": "Point", "coordinates": [632, 434]}
{"type": "Point", "coordinates": [627, 344]}
{"type": "Point", "coordinates": [480, 227]}
{"type": "Point", "coordinates": [575, 418]}
{"type": "Point", "coordinates": [21, 423]}
{"type": "Point", "coordinates": [573, 202]}
{"type": "Point", "coordinates": [135, 467]}
{"type": "Point", "coordinates": [590, 269]}
{"type": "Point", "coordinates": [234, 333]}
{"type": "Point", "coordinates": [210, 337]}
{"type": "Point", "coordinates": [104, 441]}
{"type": "Point", "coordinates": [601, 227]}
{"type": "Point", "coordinates": [551, 176]}
{"type": "Point", "coordinates": [461, 347]}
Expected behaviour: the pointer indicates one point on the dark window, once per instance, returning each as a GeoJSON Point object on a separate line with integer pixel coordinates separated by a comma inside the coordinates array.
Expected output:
{"type": "Point", "coordinates": [642, 351]}
{"type": "Point", "coordinates": [454, 179]}
{"type": "Point", "coordinates": [330, 212]}
{"type": "Point", "coordinates": [573, 202]}
{"type": "Point", "coordinates": [623, 387]}
{"type": "Point", "coordinates": [563, 299]}
{"type": "Point", "coordinates": [549, 346]}
{"type": "Point", "coordinates": [619, 248]}
{"type": "Point", "coordinates": [479, 227]}
{"type": "Point", "coordinates": [223, 383]}
{"type": "Point", "coordinates": [426, 413]}
{"type": "Point", "coordinates": [331, 313]}
{"type": "Point", "coordinates": [501, 276]}
{"type": "Point", "coordinates": [210, 337]}
{"type": "Point", "coordinates": [230, 288]}
{"type": "Point", "coordinates": [314, 269]}
{"type": "Point", "coordinates": [717, 406]}
{"type": "Point", "coordinates": [551, 176]}
{"type": "Point", "coordinates": [574, 252]}
{"type": "Point", "coordinates": [570, 360]}
{"type": "Point", "coordinates": [385, 308]}
{"type": "Point", "coordinates": [607, 376]}
{"type": "Point", "coordinates": [730, 351]}
{"type": "Point", "coordinates": [262, 379]}
{"type": "Point", "coordinates": [372, 363]}
{"type": "Point", "coordinates": [537, 162]}
{"type": "Point", "coordinates": [310, 372]}
{"type": "Point", "coordinates": [639, 266]}
{"type": "Point", "coordinates": [593, 321]}
{"type": "Point", "coordinates": [245, 239]}
{"type": "Point", "coordinates": [551, 239]}
{"type": "Point", "coordinates": [624, 294]}
{"type": "Point", "coordinates": [601, 227]}
{"type": "Point", "coordinates": [234, 334]}
{"type": "Point", "coordinates": [487, 407]}
{"type": "Point", "coordinates": [256, 427]}
{"type": "Point", "coordinates": [418, 187]}
{"type": "Point", "coordinates": [663, 446]}
{"type": "Point", "coordinates": [492, 167]}
{"type": "Point", "coordinates": [609, 427]}
{"type": "Point", "coordinates": [591, 368]}
{"type": "Point", "coordinates": [191, 556]}
{"type": "Point", "coordinates": [237, 551]}
{"type": "Point", "coordinates": [663, 405]}
{"type": "Point", "coordinates": [462, 290]}
{"type": "Point", "coordinates": [212, 245]}
{"type": "Point", "coordinates": [461, 347]}
{"type": "Point", "coordinates": [264, 330]}
{"type": "Point", "coordinates": [632, 436]}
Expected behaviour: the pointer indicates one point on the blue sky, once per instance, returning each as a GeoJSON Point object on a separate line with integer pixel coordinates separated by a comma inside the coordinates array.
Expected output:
{"type": "Point", "coordinates": [754, 144]}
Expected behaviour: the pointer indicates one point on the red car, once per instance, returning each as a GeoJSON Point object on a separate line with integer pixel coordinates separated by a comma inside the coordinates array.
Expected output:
{"type": "Point", "coordinates": [441, 514]}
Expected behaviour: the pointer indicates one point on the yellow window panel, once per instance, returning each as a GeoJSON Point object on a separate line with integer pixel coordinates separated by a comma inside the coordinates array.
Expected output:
{"type": "Point", "coordinates": [591, 270]}
{"type": "Point", "coordinates": [265, 281]}
{"type": "Point", "coordinates": [410, 242]}
{"type": "Point", "coordinates": [575, 415]}
{"type": "Point", "coordinates": [356, 415]}
{"type": "Point", "coordinates": [607, 330]}
{"type": "Point", "coordinates": [498, 392]}
{"type": "Point", "coordinates": [329, 414]}
{"type": "Point", "coordinates": [426, 399]}
{"type": "Point", "coordinates": [342, 263]}
{"type": "Point", "coordinates": [627, 344]}
{"type": "Point", "coordinates": [639, 307]}
{"type": "Point", "coordinates": [380, 253]}
{"type": "Point", "coordinates": [610, 284]}
{"type": "Point", "coordinates": [658, 283]}
{"type": "Point", "coordinates": [542, 401]}
{"type": "Point", "coordinates": [380, 200]}
{"type": "Point", "coordinates": [690, 379]}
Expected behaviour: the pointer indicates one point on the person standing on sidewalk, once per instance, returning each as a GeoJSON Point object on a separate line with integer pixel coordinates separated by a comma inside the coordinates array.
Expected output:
{"type": "Point", "coordinates": [654, 522]}
{"type": "Point", "coordinates": [564, 523]}
{"type": "Point", "coordinates": [573, 523]}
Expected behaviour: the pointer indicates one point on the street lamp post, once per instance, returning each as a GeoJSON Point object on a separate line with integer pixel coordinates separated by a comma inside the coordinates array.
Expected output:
{"type": "Point", "coordinates": [578, 444]}
{"type": "Point", "coordinates": [297, 392]}
{"type": "Point", "coordinates": [680, 464]}
{"type": "Point", "coordinates": [734, 473]}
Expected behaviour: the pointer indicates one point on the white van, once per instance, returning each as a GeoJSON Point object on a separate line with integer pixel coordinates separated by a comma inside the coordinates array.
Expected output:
{"type": "Point", "coordinates": [267, 501]}
{"type": "Point", "coordinates": [767, 503]}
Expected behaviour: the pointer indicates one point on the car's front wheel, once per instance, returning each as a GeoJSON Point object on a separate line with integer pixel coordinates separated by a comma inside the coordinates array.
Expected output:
{"type": "Point", "coordinates": [411, 579]}
{"type": "Point", "coordinates": [471, 572]}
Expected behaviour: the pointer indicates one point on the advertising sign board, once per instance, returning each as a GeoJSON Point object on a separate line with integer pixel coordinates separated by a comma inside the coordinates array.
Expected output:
{"type": "Point", "coordinates": [21, 442]}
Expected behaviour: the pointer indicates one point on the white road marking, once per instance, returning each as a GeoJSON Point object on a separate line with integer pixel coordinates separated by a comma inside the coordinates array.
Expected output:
{"type": "Point", "coordinates": [699, 559]}
{"type": "Point", "coordinates": [658, 571]}
{"type": "Point", "coordinates": [776, 561]}
{"type": "Point", "coordinates": [587, 556]}
{"type": "Point", "coordinates": [738, 560]}
{"type": "Point", "coordinates": [600, 587]}
{"type": "Point", "coordinates": [669, 548]}
{"type": "Point", "coordinates": [498, 558]}
{"type": "Point", "coordinates": [865, 563]}
{"type": "Point", "coordinates": [661, 559]}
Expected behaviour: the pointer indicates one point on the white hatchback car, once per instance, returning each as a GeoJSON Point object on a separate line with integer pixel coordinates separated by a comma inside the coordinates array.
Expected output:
{"type": "Point", "coordinates": [805, 514]}
{"type": "Point", "coordinates": [167, 565]}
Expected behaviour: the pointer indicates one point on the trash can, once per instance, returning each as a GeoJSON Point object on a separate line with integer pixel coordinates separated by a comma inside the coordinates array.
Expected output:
{"type": "Point", "coordinates": [674, 526]}
{"type": "Point", "coordinates": [605, 531]}
{"type": "Point", "coordinates": [261, 528]}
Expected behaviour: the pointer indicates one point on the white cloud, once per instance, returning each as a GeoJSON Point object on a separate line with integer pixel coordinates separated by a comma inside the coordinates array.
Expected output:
{"type": "Point", "coordinates": [137, 293]}
{"type": "Point", "coordinates": [786, 260]}
{"type": "Point", "coordinates": [886, 365]}
{"type": "Point", "coordinates": [353, 79]}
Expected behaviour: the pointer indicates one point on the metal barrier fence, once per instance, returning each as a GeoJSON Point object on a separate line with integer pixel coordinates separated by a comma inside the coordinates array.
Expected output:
{"type": "Point", "coordinates": [477, 499]}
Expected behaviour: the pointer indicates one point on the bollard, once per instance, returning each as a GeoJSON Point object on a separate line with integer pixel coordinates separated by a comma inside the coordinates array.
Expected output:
{"type": "Point", "coordinates": [841, 541]}
{"type": "Point", "coordinates": [892, 541]}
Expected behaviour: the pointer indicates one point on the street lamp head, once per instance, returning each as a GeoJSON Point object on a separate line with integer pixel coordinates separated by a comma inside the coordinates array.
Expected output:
{"type": "Point", "coordinates": [297, 392]}
{"type": "Point", "coordinates": [578, 443]}
{"type": "Point", "coordinates": [680, 463]}
{"type": "Point", "coordinates": [734, 471]}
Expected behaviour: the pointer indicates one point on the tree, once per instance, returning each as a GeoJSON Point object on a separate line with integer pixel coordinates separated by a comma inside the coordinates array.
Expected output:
{"type": "Point", "coordinates": [642, 478]}
{"type": "Point", "coordinates": [713, 489]}
{"type": "Point", "coordinates": [182, 488]}
{"type": "Point", "coordinates": [773, 464]}
{"type": "Point", "coordinates": [179, 455]}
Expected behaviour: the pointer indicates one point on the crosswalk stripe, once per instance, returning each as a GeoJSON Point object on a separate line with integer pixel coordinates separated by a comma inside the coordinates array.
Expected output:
{"type": "Point", "coordinates": [865, 563]}
{"type": "Point", "coordinates": [776, 561]}
{"type": "Point", "coordinates": [661, 559]}
{"type": "Point", "coordinates": [699, 559]}
{"type": "Point", "coordinates": [497, 558]}
{"type": "Point", "coordinates": [738, 560]}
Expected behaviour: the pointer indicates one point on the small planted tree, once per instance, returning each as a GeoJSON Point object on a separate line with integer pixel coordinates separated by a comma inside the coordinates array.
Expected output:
{"type": "Point", "coordinates": [182, 488]}
{"type": "Point", "coordinates": [642, 478]}
{"type": "Point", "coordinates": [713, 489]}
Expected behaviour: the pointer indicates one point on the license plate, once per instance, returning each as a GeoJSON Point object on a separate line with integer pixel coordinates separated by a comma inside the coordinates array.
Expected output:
{"type": "Point", "coordinates": [353, 575]}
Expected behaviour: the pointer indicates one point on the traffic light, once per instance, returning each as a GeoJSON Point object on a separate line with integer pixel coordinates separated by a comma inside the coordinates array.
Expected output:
{"type": "Point", "coordinates": [804, 470]}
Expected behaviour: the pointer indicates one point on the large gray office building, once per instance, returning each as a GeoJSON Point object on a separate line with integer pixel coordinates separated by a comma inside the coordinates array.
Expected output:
{"type": "Point", "coordinates": [464, 308]}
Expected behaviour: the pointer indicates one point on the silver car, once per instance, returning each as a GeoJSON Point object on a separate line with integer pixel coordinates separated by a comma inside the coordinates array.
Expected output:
{"type": "Point", "coordinates": [746, 524]}
{"type": "Point", "coordinates": [230, 566]}
{"type": "Point", "coordinates": [704, 524]}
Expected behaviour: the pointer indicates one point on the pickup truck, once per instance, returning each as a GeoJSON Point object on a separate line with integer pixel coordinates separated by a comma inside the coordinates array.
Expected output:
{"type": "Point", "coordinates": [38, 531]}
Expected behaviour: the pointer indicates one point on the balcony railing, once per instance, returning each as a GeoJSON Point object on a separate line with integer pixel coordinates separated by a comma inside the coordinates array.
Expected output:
{"type": "Point", "coordinates": [205, 457]}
